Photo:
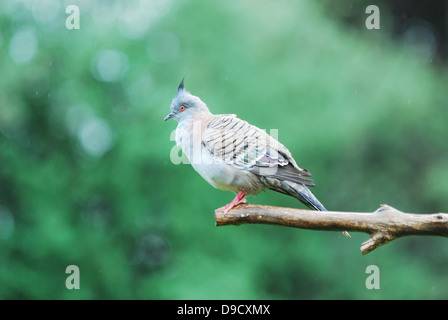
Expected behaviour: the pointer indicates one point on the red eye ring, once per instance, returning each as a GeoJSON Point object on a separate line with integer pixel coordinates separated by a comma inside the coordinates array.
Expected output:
{"type": "Point", "coordinates": [182, 108]}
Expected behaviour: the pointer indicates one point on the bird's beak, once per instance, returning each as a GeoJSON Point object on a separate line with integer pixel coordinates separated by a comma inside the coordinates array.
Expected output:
{"type": "Point", "coordinates": [169, 116]}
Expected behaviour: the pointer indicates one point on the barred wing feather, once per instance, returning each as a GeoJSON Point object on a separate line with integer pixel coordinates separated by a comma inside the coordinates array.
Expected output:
{"type": "Point", "coordinates": [235, 142]}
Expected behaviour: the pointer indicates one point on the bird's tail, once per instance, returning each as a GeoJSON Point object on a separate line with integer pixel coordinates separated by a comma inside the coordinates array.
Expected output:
{"type": "Point", "coordinates": [302, 193]}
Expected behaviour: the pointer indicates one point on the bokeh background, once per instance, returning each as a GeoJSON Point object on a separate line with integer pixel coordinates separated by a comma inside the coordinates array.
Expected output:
{"type": "Point", "coordinates": [85, 171]}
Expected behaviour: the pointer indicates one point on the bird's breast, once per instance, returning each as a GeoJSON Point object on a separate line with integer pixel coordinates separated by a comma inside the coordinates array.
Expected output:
{"type": "Point", "coordinates": [215, 170]}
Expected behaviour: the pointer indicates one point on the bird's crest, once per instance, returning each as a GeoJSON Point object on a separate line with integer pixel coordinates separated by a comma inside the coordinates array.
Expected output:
{"type": "Point", "coordinates": [181, 85]}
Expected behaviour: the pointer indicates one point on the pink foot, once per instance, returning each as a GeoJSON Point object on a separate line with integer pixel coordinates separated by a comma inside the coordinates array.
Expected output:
{"type": "Point", "coordinates": [239, 198]}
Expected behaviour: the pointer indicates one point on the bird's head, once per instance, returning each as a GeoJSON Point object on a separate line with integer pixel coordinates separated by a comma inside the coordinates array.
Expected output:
{"type": "Point", "coordinates": [185, 105]}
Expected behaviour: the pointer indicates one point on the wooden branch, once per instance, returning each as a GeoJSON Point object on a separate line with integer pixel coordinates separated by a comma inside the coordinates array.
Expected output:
{"type": "Point", "coordinates": [383, 225]}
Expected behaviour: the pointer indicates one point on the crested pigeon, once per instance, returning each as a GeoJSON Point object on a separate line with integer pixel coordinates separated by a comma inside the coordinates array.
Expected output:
{"type": "Point", "coordinates": [231, 154]}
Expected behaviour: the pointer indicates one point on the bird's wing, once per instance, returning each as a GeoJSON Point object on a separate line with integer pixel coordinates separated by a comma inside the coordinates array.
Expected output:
{"type": "Point", "coordinates": [235, 142]}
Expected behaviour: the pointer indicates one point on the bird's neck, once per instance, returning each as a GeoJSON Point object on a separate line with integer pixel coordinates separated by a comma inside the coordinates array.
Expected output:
{"type": "Point", "coordinates": [199, 117]}
{"type": "Point", "coordinates": [195, 123]}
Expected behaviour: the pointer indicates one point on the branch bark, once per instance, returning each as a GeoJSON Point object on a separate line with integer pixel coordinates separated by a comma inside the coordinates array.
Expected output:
{"type": "Point", "coordinates": [383, 225]}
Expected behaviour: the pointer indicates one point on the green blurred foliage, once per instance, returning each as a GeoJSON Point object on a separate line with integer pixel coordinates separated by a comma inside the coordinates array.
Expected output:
{"type": "Point", "coordinates": [85, 170]}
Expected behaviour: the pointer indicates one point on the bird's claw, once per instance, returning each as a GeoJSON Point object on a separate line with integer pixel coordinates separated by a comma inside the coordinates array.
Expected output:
{"type": "Point", "coordinates": [231, 205]}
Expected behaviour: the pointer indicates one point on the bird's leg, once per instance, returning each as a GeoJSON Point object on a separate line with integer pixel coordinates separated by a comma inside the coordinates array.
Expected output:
{"type": "Point", "coordinates": [239, 198]}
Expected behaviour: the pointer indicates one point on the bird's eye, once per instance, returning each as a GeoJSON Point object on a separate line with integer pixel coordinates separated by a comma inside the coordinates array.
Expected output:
{"type": "Point", "coordinates": [182, 108]}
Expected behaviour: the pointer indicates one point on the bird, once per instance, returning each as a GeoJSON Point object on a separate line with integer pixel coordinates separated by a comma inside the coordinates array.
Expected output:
{"type": "Point", "coordinates": [231, 154]}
